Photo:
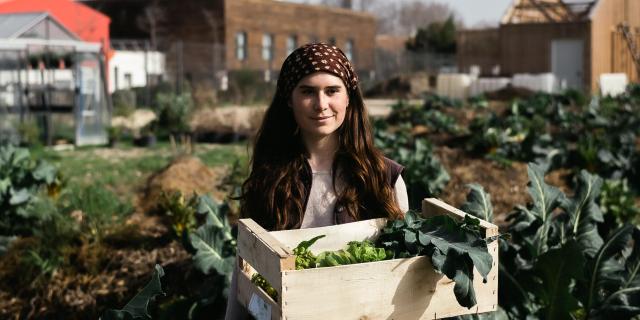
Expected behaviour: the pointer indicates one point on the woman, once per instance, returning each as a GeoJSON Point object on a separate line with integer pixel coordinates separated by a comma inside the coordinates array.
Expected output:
{"type": "Point", "coordinates": [314, 163]}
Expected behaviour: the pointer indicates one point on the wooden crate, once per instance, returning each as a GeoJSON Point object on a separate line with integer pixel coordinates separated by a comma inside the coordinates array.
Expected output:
{"type": "Point", "coordinates": [392, 289]}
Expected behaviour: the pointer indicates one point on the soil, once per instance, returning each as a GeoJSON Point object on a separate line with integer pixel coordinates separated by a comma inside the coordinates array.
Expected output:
{"type": "Point", "coordinates": [506, 185]}
{"type": "Point", "coordinates": [110, 274]}
{"type": "Point", "coordinates": [185, 174]}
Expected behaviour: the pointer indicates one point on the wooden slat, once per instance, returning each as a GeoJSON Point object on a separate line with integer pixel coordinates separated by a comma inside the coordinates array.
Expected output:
{"type": "Point", "coordinates": [264, 253]}
{"type": "Point", "coordinates": [336, 237]}
{"type": "Point", "coordinates": [432, 206]}
{"type": "Point", "coordinates": [392, 289]}
{"type": "Point", "coordinates": [246, 289]}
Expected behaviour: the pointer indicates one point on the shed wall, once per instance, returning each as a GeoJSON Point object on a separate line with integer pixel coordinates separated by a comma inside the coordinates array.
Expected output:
{"type": "Point", "coordinates": [478, 47]}
{"type": "Point", "coordinates": [607, 54]}
{"type": "Point", "coordinates": [526, 48]}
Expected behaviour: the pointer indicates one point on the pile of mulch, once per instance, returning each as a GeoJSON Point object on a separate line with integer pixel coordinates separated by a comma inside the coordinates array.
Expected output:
{"type": "Point", "coordinates": [186, 174]}
{"type": "Point", "coordinates": [228, 124]}
{"type": "Point", "coordinates": [80, 294]}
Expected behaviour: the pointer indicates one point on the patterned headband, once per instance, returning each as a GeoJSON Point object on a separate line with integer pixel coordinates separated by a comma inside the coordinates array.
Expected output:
{"type": "Point", "coordinates": [316, 57]}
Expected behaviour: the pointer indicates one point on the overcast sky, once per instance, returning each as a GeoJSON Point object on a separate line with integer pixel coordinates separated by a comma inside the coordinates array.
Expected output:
{"type": "Point", "coordinates": [480, 11]}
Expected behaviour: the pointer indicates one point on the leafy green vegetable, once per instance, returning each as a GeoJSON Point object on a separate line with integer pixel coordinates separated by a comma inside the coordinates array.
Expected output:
{"type": "Point", "coordinates": [305, 259]}
{"type": "Point", "coordinates": [136, 309]}
{"type": "Point", "coordinates": [454, 248]}
{"type": "Point", "coordinates": [261, 282]}
{"type": "Point", "coordinates": [356, 252]}
{"type": "Point", "coordinates": [22, 181]}
{"type": "Point", "coordinates": [215, 248]}
{"type": "Point", "coordinates": [558, 266]}
{"type": "Point", "coordinates": [478, 203]}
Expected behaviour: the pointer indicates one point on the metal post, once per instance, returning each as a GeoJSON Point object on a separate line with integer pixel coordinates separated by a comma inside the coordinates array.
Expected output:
{"type": "Point", "coordinates": [180, 67]}
{"type": "Point", "coordinates": [147, 92]}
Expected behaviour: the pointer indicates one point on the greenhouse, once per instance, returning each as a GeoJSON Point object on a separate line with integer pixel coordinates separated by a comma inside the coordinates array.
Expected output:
{"type": "Point", "coordinates": [52, 84]}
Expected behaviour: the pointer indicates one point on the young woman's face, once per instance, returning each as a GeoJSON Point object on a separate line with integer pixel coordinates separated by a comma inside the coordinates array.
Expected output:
{"type": "Point", "coordinates": [319, 102]}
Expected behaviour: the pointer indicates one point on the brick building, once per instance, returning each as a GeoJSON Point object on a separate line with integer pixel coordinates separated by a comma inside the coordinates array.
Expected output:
{"type": "Point", "coordinates": [203, 38]}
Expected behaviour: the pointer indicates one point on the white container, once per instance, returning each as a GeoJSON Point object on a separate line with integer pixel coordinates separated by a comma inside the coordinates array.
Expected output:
{"type": "Point", "coordinates": [482, 85]}
{"type": "Point", "coordinates": [454, 85]}
{"type": "Point", "coordinates": [544, 82]}
{"type": "Point", "coordinates": [613, 84]}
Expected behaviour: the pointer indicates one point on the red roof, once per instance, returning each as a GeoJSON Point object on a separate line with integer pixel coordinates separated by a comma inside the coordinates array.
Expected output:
{"type": "Point", "coordinates": [87, 23]}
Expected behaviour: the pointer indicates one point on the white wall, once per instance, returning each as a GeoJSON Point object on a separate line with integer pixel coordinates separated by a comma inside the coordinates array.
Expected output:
{"type": "Point", "coordinates": [132, 63]}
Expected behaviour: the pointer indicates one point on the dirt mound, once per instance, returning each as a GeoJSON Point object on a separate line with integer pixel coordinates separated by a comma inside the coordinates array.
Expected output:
{"type": "Point", "coordinates": [243, 121]}
{"type": "Point", "coordinates": [186, 174]}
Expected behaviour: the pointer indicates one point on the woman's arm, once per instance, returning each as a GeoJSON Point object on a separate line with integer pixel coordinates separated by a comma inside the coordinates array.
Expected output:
{"type": "Point", "coordinates": [401, 195]}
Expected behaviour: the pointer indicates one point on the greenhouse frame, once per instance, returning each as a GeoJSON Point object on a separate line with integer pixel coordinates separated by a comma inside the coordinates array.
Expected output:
{"type": "Point", "coordinates": [50, 81]}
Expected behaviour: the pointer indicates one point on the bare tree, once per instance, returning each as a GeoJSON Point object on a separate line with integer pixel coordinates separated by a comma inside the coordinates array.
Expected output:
{"type": "Point", "coordinates": [153, 15]}
{"type": "Point", "coordinates": [417, 14]}
{"type": "Point", "coordinates": [398, 17]}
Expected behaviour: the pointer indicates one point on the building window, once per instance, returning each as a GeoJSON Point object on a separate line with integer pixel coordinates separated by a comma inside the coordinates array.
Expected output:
{"type": "Point", "coordinates": [332, 41]}
{"type": "Point", "coordinates": [128, 83]}
{"type": "Point", "coordinates": [292, 43]}
{"type": "Point", "coordinates": [349, 49]}
{"type": "Point", "coordinates": [241, 45]}
{"type": "Point", "coordinates": [267, 47]}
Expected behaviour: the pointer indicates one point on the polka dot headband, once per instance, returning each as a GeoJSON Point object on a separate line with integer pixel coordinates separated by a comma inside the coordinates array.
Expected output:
{"type": "Point", "coordinates": [316, 57]}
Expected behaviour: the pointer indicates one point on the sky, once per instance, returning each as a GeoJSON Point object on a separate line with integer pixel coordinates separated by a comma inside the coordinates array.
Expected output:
{"type": "Point", "coordinates": [476, 12]}
{"type": "Point", "coordinates": [473, 12]}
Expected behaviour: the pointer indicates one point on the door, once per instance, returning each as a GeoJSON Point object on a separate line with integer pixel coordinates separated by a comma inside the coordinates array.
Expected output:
{"type": "Point", "coordinates": [567, 61]}
{"type": "Point", "coordinates": [91, 109]}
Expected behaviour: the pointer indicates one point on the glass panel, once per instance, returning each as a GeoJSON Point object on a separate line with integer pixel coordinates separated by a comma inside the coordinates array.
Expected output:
{"type": "Point", "coordinates": [47, 29]}
{"type": "Point", "coordinates": [267, 47]}
{"type": "Point", "coordinates": [292, 43]}
{"type": "Point", "coordinates": [241, 43]}
{"type": "Point", "coordinates": [91, 112]}
{"type": "Point", "coordinates": [349, 50]}
{"type": "Point", "coordinates": [10, 96]}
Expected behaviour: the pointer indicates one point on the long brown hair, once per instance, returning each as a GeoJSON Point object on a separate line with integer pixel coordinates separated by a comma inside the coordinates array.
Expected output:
{"type": "Point", "coordinates": [274, 194]}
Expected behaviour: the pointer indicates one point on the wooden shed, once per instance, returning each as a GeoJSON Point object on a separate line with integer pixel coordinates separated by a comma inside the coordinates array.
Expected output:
{"type": "Point", "coordinates": [576, 40]}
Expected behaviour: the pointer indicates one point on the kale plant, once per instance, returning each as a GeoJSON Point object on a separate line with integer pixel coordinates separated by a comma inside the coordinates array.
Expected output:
{"type": "Point", "coordinates": [454, 248]}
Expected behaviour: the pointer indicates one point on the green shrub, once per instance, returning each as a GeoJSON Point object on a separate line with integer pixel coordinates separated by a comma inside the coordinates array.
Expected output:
{"type": "Point", "coordinates": [174, 111]}
{"type": "Point", "coordinates": [23, 181]}
{"type": "Point", "coordinates": [95, 208]}
{"type": "Point", "coordinates": [124, 102]}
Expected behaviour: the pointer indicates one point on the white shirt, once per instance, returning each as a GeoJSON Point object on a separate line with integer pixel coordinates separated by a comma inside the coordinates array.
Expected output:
{"type": "Point", "coordinates": [322, 200]}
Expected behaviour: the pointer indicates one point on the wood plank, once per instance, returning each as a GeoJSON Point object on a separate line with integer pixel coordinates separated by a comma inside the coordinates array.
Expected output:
{"type": "Point", "coordinates": [264, 253]}
{"type": "Point", "coordinates": [336, 236]}
{"type": "Point", "coordinates": [433, 206]}
{"type": "Point", "coordinates": [246, 289]}
{"type": "Point", "coordinates": [392, 289]}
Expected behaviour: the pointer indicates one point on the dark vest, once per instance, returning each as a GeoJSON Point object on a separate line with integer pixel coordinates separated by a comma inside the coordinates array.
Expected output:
{"type": "Point", "coordinates": [340, 216]}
